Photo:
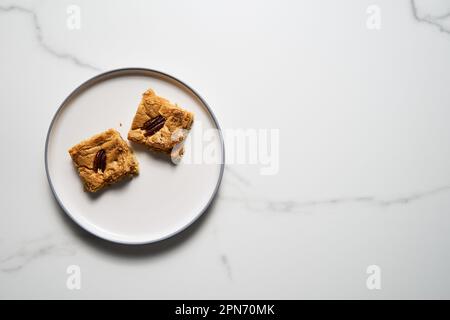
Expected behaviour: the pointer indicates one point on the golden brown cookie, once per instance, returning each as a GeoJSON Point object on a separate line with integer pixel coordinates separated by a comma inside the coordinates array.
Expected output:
{"type": "Point", "coordinates": [103, 160]}
{"type": "Point", "coordinates": [159, 124]}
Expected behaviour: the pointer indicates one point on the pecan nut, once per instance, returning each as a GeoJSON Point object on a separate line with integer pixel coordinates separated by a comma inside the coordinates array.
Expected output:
{"type": "Point", "coordinates": [100, 161]}
{"type": "Point", "coordinates": [153, 125]}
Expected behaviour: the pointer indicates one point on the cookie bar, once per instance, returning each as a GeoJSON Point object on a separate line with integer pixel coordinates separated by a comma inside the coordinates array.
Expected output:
{"type": "Point", "coordinates": [103, 160]}
{"type": "Point", "coordinates": [159, 124]}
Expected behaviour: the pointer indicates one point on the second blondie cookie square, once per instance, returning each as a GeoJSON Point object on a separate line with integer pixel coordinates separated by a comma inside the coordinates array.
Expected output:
{"type": "Point", "coordinates": [159, 124]}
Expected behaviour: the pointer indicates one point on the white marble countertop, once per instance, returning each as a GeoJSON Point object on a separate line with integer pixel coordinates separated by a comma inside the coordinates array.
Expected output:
{"type": "Point", "coordinates": [359, 91]}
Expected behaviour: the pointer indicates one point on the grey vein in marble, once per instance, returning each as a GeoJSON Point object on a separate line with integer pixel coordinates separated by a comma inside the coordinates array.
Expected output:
{"type": "Point", "coordinates": [243, 180]}
{"type": "Point", "coordinates": [425, 11]}
{"type": "Point", "coordinates": [287, 206]}
{"type": "Point", "coordinates": [29, 251]}
{"type": "Point", "coordinates": [223, 257]}
{"type": "Point", "coordinates": [39, 36]}
{"type": "Point", "coordinates": [226, 264]}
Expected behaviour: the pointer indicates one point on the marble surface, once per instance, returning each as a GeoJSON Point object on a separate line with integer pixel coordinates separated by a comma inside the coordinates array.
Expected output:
{"type": "Point", "coordinates": [363, 115]}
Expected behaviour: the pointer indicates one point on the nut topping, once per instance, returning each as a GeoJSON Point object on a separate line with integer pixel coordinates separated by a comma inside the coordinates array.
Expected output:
{"type": "Point", "coordinates": [100, 161]}
{"type": "Point", "coordinates": [153, 125]}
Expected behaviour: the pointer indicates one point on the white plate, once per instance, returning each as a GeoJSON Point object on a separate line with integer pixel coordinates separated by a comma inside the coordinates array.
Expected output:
{"type": "Point", "coordinates": [165, 198]}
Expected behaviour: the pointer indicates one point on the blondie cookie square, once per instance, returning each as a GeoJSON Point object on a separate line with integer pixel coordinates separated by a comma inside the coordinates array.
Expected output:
{"type": "Point", "coordinates": [103, 160]}
{"type": "Point", "coordinates": [159, 124]}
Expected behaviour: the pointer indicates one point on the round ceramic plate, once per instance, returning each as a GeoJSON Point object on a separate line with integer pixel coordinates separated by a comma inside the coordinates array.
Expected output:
{"type": "Point", "coordinates": [164, 198]}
